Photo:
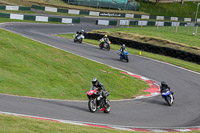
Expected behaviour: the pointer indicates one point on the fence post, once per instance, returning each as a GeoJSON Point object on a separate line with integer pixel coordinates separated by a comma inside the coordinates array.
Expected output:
{"type": "Point", "coordinates": [176, 28]}
{"type": "Point", "coordinates": [196, 29]}
{"type": "Point", "coordinates": [157, 26]}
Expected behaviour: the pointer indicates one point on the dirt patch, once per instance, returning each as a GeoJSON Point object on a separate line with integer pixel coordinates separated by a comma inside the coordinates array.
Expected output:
{"type": "Point", "coordinates": [152, 40]}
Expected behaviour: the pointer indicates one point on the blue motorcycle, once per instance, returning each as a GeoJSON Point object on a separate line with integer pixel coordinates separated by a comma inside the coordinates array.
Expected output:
{"type": "Point", "coordinates": [167, 95]}
{"type": "Point", "coordinates": [124, 55]}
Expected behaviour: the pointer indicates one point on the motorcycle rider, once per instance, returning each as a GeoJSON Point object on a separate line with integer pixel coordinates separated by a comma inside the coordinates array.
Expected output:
{"type": "Point", "coordinates": [80, 32]}
{"type": "Point", "coordinates": [99, 85]}
{"type": "Point", "coordinates": [165, 87]}
{"type": "Point", "coordinates": [122, 49]}
{"type": "Point", "coordinates": [105, 39]}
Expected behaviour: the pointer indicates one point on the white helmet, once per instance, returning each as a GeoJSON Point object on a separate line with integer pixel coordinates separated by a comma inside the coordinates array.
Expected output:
{"type": "Point", "coordinates": [123, 45]}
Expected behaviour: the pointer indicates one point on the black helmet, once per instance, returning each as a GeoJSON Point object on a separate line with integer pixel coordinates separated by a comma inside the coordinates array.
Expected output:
{"type": "Point", "coordinates": [163, 83]}
{"type": "Point", "coordinates": [95, 82]}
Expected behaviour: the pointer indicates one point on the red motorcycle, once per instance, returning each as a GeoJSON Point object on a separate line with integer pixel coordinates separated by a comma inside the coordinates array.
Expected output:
{"type": "Point", "coordinates": [97, 102]}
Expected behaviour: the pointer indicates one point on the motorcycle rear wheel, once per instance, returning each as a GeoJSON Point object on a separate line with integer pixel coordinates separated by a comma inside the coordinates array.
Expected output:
{"type": "Point", "coordinates": [92, 105]}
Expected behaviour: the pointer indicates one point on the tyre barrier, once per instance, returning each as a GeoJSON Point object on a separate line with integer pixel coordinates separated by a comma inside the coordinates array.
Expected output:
{"type": "Point", "coordinates": [178, 54]}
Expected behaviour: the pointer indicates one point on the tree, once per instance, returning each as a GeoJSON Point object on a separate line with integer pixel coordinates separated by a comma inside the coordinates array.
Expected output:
{"type": "Point", "coordinates": [157, 2]}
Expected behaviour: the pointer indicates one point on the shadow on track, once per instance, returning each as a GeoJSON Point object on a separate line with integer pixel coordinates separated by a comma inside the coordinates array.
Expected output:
{"type": "Point", "coordinates": [69, 105]}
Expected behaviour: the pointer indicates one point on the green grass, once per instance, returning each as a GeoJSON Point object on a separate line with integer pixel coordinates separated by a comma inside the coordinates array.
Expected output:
{"type": "Point", "coordinates": [29, 68]}
{"type": "Point", "coordinates": [165, 36]}
{"type": "Point", "coordinates": [4, 20]}
{"type": "Point", "coordinates": [16, 124]}
{"type": "Point", "coordinates": [188, 9]}
{"type": "Point", "coordinates": [177, 62]}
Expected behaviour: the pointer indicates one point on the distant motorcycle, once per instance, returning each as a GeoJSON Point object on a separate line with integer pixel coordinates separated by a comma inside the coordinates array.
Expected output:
{"type": "Point", "coordinates": [104, 44]}
{"type": "Point", "coordinates": [167, 95]}
{"type": "Point", "coordinates": [78, 38]}
{"type": "Point", "coordinates": [97, 100]}
{"type": "Point", "coordinates": [123, 55]}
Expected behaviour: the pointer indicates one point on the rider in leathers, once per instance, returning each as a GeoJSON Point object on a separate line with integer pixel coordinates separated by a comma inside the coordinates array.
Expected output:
{"type": "Point", "coordinates": [99, 85]}
{"type": "Point", "coordinates": [122, 49]}
{"type": "Point", "coordinates": [164, 87]}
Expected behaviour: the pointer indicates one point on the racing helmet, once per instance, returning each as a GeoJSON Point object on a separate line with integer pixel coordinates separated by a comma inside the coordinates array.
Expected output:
{"type": "Point", "coordinates": [163, 83]}
{"type": "Point", "coordinates": [82, 31]}
{"type": "Point", "coordinates": [123, 46]}
{"type": "Point", "coordinates": [95, 82]}
{"type": "Point", "coordinates": [106, 36]}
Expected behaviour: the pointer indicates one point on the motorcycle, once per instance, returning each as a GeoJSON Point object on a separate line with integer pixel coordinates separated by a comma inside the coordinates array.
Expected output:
{"type": "Point", "coordinates": [104, 44]}
{"type": "Point", "coordinates": [78, 38]}
{"type": "Point", "coordinates": [167, 95]}
{"type": "Point", "coordinates": [96, 100]}
{"type": "Point", "coordinates": [123, 55]}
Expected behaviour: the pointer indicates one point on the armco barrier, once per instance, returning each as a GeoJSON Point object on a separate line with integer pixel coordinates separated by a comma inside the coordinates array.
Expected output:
{"type": "Point", "coordinates": [187, 56]}
{"type": "Point", "coordinates": [39, 18]}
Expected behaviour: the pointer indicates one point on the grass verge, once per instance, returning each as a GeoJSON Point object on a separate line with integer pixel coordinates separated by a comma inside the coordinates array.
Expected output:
{"type": "Point", "coordinates": [4, 20]}
{"type": "Point", "coordinates": [29, 68]}
{"type": "Point", "coordinates": [18, 12]}
{"type": "Point", "coordinates": [177, 62]}
{"type": "Point", "coordinates": [160, 36]}
{"type": "Point", "coordinates": [16, 124]}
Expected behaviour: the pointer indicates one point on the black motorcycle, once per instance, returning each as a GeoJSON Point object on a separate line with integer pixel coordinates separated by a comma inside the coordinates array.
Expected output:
{"type": "Point", "coordinates": [96, 100]}
{"type": "Point", "coordinates": [104, 44]}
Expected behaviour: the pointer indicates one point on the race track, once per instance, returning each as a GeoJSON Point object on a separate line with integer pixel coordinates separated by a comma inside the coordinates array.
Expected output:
{"type": "Point", "coordinates": [149, 112]}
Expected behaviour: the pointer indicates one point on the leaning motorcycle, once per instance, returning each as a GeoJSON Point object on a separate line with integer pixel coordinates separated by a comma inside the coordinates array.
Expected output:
{"type": "Point", "coordinates": [123, 55]}
{"type": "Point", "coordinates": [104, 44]}
{"type": "Point", "coordinates": [167, 95]}
{"type": "Point", "coordinates": [96, 100]}
{"type": "Point", "coordinates": [78, 38]}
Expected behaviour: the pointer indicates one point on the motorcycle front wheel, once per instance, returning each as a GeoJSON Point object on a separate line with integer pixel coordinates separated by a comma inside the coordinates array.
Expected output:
{"type": "Point", "coordinates": [108, 47]}
{"type": "Point", "coordinates": [80, 41]}
{"type": "Point", "coordinates": [169, 101]}
{"type": "Point", "coordinates": [107, 107]}
{"type": "Point", "coordinates": [92, 104]}
{"type": "Point", "coordinates": [101, 45]}
{"type": "Point", "coordinates": [127, 60]}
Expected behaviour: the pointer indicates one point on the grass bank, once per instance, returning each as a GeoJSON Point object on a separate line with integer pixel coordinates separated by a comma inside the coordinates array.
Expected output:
{"type": "Point", "coordinates": [177, 62]}
{"type": "Point", "coordinates": [29, 68]}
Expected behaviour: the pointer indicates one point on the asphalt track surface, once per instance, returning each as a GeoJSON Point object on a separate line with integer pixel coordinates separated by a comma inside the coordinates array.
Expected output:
{"type": "Point", "coordinates": [148, 112]}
